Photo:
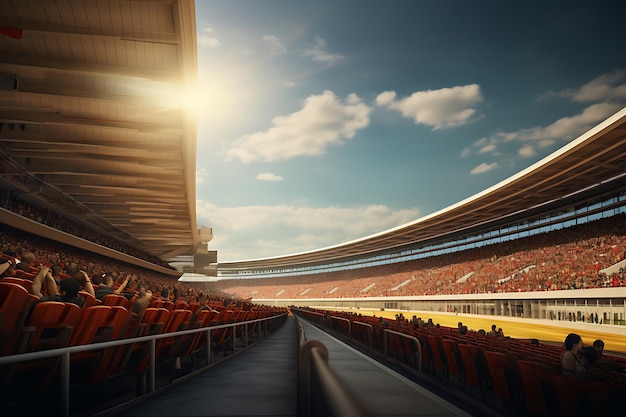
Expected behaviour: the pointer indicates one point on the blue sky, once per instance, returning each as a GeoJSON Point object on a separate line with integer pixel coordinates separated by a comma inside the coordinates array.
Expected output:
{"type": "Point", "coordinates": [325, 121]}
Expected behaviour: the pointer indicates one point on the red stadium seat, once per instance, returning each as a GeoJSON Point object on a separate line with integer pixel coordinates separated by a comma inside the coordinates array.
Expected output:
{"type": "Point", "coordinates": [438, 358]}
{"type": "Point", "coordinates": [193, 342]}
{"type": "Point", "coordinates": [90, 300]}
{"type": "Point", "coordinates": [534, 399]}
{"type": "Point", "coordinates": [454, 360]}
{"type": "Point", "coordinates": [116, 300]}
{"type": "Point", "coordinates": [167, 348]}
{"type": "Point", "coordinates": [26, 283]}
{"type": "Point", "coordinates": [106, 362]}
{"type": "Point", "coordinates": [475, 372]}
{"type": "Point", "coordinates": [503, 374]}
{"type": "Point", "coordinates": [15, 306]}
{"type": "Point", "coordinates": [50, 325]}
{"type": "Point", "coordinates": [88, 328]}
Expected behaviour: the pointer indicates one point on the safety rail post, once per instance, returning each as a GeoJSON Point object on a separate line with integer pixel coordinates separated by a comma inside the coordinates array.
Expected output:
{"type": "Point", "coordinates": [370, 333]}
{"type": "Point", "coordinates": [418, 360]}
{"type": "Point", "coordinates": [208, 345]}
{"type": "Point", "coordinates": [65, 382]}
{"type": "Point", "coordinates": [342, 319]}
{"type": "Point", "coordinates": [152, 349]}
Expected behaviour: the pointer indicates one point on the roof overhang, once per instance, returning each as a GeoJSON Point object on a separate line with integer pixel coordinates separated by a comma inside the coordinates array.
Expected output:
{"type": "Point", "coordinates": [94, 127]}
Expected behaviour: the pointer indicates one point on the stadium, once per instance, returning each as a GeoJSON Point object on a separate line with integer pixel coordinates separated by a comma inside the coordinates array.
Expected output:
{"type": "Point", "coordinates": [98, 182]}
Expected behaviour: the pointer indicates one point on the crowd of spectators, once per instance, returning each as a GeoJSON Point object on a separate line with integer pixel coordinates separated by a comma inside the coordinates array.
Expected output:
{"type": "Point", "coordinates": [570, 258]}
{"type": "Point", "coordinates": [50, 264]}
{"type": "Point", "coordinates": [56, 221]}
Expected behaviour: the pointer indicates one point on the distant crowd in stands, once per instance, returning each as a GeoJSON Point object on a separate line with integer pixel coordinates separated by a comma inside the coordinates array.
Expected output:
{"type": "Point", "coordinates": [570, 258]}
{"type": "Point", "coordinates": [56, 221]}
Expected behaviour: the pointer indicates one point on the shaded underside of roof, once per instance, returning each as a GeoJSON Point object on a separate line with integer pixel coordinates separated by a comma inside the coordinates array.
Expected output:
{"type": "Point", "coordinates": [92, 125]}
{"type": "Point", "coordinates": [592, 159]}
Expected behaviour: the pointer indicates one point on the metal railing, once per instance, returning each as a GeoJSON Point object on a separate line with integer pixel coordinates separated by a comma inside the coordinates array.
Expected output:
{"type": "Point", "coordinates": [321, 393]}
{"type": "Point", "coordinates": [411, 358]}
{"type": "Point", "coordinates": [415, 358]}
{"type": "Point", "coordinates": [66, 352]}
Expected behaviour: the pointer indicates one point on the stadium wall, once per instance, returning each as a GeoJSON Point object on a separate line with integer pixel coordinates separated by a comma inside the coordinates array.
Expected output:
{"type": "Point", "coordinates": [608, 305]}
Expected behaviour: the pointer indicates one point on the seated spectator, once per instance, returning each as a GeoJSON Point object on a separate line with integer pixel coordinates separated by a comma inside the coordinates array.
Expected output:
{"type": "Point", "coordinates": [202, 299]}
{"type": "Point", "coordinates": [131, 289]}
{"type": "Point", "coordinates": [66, 291]}
{"type": "Point", "coordinates": [57, 270]}
{"type": "Point", "coordinates": [7, 268]}
{"type": "Point", "coordinates": [144, 296]}
{"type": "Point", "coordinates": [106, 287]}
{"type": "Point", "coordinates": [85, 282]}
{"type": "Point", "coordinates": [11, 249]}
{"type": "Point", "coordinates": [28, 261]}
{"type": "Point", "coordinates": [571, 363]}
{"type": "Point", "coordinates": [493, 332]}
{"type": "Point", "coordinates": [590, 354]}
{"type": "Point", "coordinates": [43, 280]}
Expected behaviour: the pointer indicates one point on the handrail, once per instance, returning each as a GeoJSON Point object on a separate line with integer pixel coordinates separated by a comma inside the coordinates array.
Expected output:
{"type": "Point", "coordinates": [65, 353]}
{"type": "Point", "coordinates": [340, 319]}
{"type": "Point", "coordinates": [321, 393]}
{"type": "Point", "coordinates": [316, 317]}
{"type": "Point", "coordinates": [413, 338]}
{"type": "Point", "coordinates": [370, 333]}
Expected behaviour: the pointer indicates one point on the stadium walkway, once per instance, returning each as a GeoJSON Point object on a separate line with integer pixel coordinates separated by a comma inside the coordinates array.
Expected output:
{"type": "Point", "coordinates": [262, 382]}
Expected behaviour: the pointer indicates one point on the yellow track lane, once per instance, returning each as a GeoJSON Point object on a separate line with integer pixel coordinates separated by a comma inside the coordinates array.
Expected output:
{"type": "Point", "coordinates": [614, 343]}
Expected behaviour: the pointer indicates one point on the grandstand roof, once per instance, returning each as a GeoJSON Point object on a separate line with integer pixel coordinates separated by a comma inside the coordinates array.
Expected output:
{"type": "Point", "coordinates": [595, 158]}
{"type": "Point", "coordinates": [92, 124]}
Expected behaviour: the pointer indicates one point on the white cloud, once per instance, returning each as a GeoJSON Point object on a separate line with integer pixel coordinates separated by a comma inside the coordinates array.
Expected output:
{"type": "Point", "coordinates": [446, 107]}
{"type": "Point", "coordinates": [544, 137]}
{"type": "Point", "coordinates": [487, 148]}
{"type": "Point", "coordinates": [606, 87]}
{"type": "Point", "coordinates": [386, 98]}
{"type": "Point", "coordinates": [566, 128]}
{"type": "Point", "coordinates": [324, 120]}
{"type": "Point", "coordinates": [268, 176]}
{"type": "Point", "coordinates": [276, 45]}
{"type": "Point", "coordinates": [484, 167]}
{"type": "Point", "coordinates": [318, 53]}
{"type": "Point", "coordinates": [206, 38]}
{"type": "Point", "coordinates": [527, 151]}
{"type": "Point", "coordinates": [262, 231]}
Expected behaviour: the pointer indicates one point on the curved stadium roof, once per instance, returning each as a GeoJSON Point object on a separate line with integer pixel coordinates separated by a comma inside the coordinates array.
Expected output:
{"type": "Point", "coordinates": [593, 159]}
{"type": "Point", "coordinates": [91, 119]}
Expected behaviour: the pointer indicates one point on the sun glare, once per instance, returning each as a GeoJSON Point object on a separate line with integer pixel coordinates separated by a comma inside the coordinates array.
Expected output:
{"type": "Point", "coordinates": [207, 102]}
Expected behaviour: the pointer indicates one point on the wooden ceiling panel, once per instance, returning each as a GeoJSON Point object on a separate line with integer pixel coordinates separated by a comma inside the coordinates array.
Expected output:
{"type": "Point", "coordinates": [88, 126]}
